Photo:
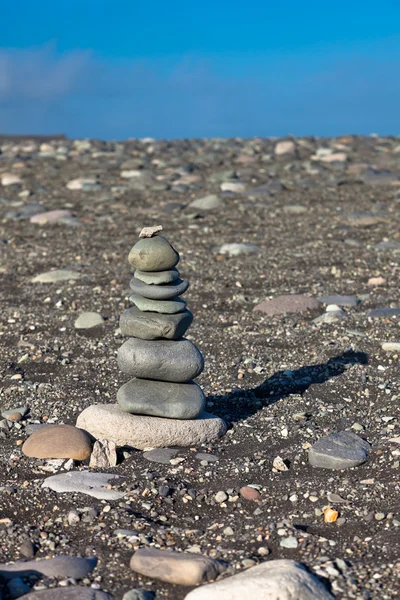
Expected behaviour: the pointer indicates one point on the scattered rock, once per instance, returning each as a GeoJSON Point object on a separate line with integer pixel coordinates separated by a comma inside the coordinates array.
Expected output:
{"type": "Point", "coordinates": [69, 593]}
{"type": "Point", "coordinates": [58, 441]}
{"type": "Point", "coordinates": [238, 249]}
{"type": "Point", "coordinates": [339, 451]}
{"type": "Point", "coordinates": [138, 594]}
{"type": "Point", "coordinates": [249, 493]}
{"type": "Point", "coordinates": [272, 580]}
{"type": "Point", "coordinates": [377, 313]}
{"type": "Point", "coordinates": [291, 303]}
{"type": "Point", "coordinates": [180, 568]}
{"type": "Point", "coordinates": [60, 566]}
{"type": "Point", "coordinates": [104, 455]}
{"type": "Point", "coordinates": [340, 300]}
{"type": "Point", "coordinates": [87, 320]}
{"type": "Point", "coordinates": [284, 147]}
{"type": "Point", "coordinates": [56, 276]}
{"type": "Point", "coordinates": [236, 187]}
{"type": "Point", "coordinates": [376, 281]}
{"type": "Point", "coordinates": [10, 179]}
{"type": "Point", "coordinates": [210, 202]}
{"type": "Point", "coordinates": [160, 455]}
{"type": "Point", "coordinates": [141, 432]}
{"type": "Point", "coordinates": [51, 216]}
{"type": "Point", "coordinates": [92, 484]}
{"type": "Point", "coordinates": [391, 346]}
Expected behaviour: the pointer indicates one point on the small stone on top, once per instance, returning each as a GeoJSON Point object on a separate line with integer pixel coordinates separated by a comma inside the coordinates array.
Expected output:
{"type": "Point", "coordinates": [148, 232]}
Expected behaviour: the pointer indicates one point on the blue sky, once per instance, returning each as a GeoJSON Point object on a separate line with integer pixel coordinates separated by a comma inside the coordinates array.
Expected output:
{"type": "Point", "coordinates": [168, 69]}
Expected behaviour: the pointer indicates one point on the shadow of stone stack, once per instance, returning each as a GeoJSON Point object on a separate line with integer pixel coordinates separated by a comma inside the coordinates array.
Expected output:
{"type": "Point", "coordinates": [161, 405]}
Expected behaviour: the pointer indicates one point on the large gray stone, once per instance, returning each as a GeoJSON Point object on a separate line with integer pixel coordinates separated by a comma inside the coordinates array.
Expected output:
{"type": "Point", "coordinates": [162, 399]}
{"type": "Point", "coordinates": [164, 360]}
{"type": "Point", "coordinates": [210, 202]}
{"type": "Point", "coordinates": [339, 451]}
{"type": "Point", "coordinates": [340, 300]}
{"type": "Point", "coordinates": [60, 566]}
{"type": "Point", "coordinates": [84, 482]}
{"type": "Point", "coordinates": [141, 432]}
{"type": "Point", "coordinates": [157, 277]}
{"type": "Point", "coordinates": [159, 292]}
{"type": "Point", "coordinates": [272, 580]}
{"type": "Point", "coordinates": [168, 307]}
{"type": "Point", "coordinates": [181, 568]}
{"type": "Point", "coordinates": [87, 320]}
{"type": "Point", "coordinates": [56, 276]}
{"type": "Point", "coordinates": [153, 254]}
{"type": "Point", "coordinates": [69, 593]}
{"type": "Point", "coordinates": [153, 326]}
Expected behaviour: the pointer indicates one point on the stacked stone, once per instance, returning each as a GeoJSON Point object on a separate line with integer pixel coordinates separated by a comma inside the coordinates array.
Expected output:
{"type": "Point", "coordinates": [161, 361]}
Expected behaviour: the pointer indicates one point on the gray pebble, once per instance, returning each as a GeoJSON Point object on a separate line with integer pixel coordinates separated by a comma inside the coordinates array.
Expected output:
{"type": "Point", "coordinates": [153, 326]}
{"type": "Point", "coordinates": [168, 307]}
{"type": "Point", "coordinates": [159, 292]}
{"type": "Point", "coordinates": [340, 300]}
{"type": "Point", "coordinates": [157, 277]}
{"type": "Point", "coordinates": [162, 399]}
{"type": "Point", "coordinates": [84, 482]}
{"type": "Point", "coordinates": [153, 254]}
{"type": "Point", "coordinates": [375, 313]}
{"type": "Point", "coordinates": [164, 360]}
{"type": "Point", "coordinates": [160, 455]}
{"type": "Point", "coordinates": [339, 451]}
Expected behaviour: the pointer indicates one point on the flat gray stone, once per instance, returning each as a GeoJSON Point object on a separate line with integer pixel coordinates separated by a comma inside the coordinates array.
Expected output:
{"type": "Point", "coordinates": [69, 593]}
{"type": "Point", "coordinates": [87, 320]}
{"type": "Point", "coordinates": [162, 399]}
{"type": "Point", "coordinates": [288, 303]}
{"type": "Point", "coordinates": [181, 568]}
{"type": "Point", "coordinates": [56, 276]}
{"type": "Point", "coordinates": [153, 254]}
{"type": "Point", "coordinates": [390, 245]}
{"type": "Point", "coordinates": [391, 346]}
{"type": "Point", "coordinates": [167, 307]}
{"type": "Point", "coordinates": [237, 249]}
{"type": "Point", "coordinates": [153, 326]}
{"type": "Point", "coordinates": [158, 277]}
{"type": "Point", "coordinates": [272, 580]}
{"type": "Point", "coordinates": [160, 455]}
{"type": "Point", "coordinates": [60, 566]}
{"type": "Point", "coordinates": [159, 292]}
{"type": "Point", "coordinates": [377, 313]}
{"type": "Point", "coordinates": [141, 432]}
{"type": "Point", "coordinates": [84, 482]}
{"type": "Point", "coordinates": [164, 360]}
{"type": "Point", "coordinates": [339, 451]}
{"type": "Point", "coordinates": [210, 202]}
{"type": "Point", "coordinates": [340, 300]}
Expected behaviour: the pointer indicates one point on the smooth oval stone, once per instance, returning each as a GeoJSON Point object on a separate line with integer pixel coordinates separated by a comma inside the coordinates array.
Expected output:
{"type": "Point", "coordinates": [58, 441]}
{"type": "Point", "coordinates": [157, 277]}
{"type": "Point", "coordinates": [153, 326]}
{"type": "Point", "coordinates": [162, 399]}
{"type": "Point", "coordinates": [168, 307]}
{"type": "Point", "coordinates": [164, 360]}
{"type": "Point", "coordinates": [153, 254]}
{"type": "Point", "coordinates": [159, 292]}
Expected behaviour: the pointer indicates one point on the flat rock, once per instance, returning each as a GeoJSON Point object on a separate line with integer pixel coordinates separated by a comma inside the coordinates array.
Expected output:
{"type": "Point", "coordinates": [272, 580]}
{"type": "Point", "coordinates": [87, 320]}
{"type": "Point", "coordinates": [290, 303]}
{"type": "Point", "coordinates": [238, 249]}
{"type": "Point", "coordinates": [69, 593]}
{"type": "Point", "coordinates": [51, 216]}
{"type": "Point", "coordinates": [159, 292]}
{"type": "Point", "coordinates": [210, 202]}
{"type": "Point", "coordinates": [180, 568]}
{"type": "Point", "coordinates": [391, 346]}
{"type": "Point", "coordinates": [295, 209]}
{"type": "Point", "coordinates": [56, 276]}
{"type": "Point", "coordinates": [164, 360]}
{"type": "Point", "coordinates": [84, 482]}
{"type": "Point", "coordinates": [167, 307]}
{"type": "Point", "coordinates": [153, 254]}
{"type": "Point", "coordinates": [377, 313]}
{"type": "Point", "coordinates": [235, 187]}
{"type": "Point", "coordinates": [153, 326]}
{"type": "Point", "coordinates": [388, 245]}
{"type": "Point", "coordinates": [137, 431]}
{"type": "Point", "coordinates": [340, 300]}
{"type": "Point", "coordinates": [284, 147]}
{"type": "Point", "coordinates": [162, 399]}
{"type": "Point", "coordinates": [10, 179]}
{"type": "Point", "coordinates": [157, 277]}
{"type": "Point", "coordinates": [23, 410]}
{"type": "Point", "coordinates": [339, 451]}
{"type": "Point", "coordinates": [58, 441]}
{"type": "Point", "coordinates": [160, 455]}
{"type": "Point", "coordinates": [61, 566]}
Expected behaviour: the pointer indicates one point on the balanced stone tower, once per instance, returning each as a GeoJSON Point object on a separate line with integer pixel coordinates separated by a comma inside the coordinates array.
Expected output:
{"type": "Point", "coordinates": [161, 361]}
{"type": "Point", "coordinates": [160, 405]}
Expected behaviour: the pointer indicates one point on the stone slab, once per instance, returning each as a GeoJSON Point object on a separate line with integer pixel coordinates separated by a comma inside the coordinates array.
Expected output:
{"type": "Point", "coordinates": [141, 432]}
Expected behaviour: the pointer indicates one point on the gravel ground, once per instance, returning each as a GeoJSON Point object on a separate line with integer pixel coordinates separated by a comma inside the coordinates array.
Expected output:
{"type": "Point", "coordinates": [322, 218]}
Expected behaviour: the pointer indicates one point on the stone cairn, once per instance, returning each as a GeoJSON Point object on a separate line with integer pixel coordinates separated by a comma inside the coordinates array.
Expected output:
{"type": "Point", "coordinates": [161, 361]}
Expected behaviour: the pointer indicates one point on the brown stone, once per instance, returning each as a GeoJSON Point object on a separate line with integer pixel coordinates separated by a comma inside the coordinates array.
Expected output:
{"type": "Point", "coordinates": [58, 441]}
{"type": "Point", "coordinates": [181, 568]}
{"type": "Point", "coordinates": [249, 493]}
{"type": "Point", "coordinates": [17, 416]}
